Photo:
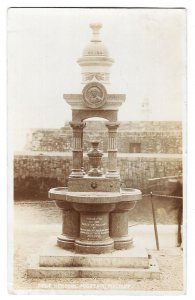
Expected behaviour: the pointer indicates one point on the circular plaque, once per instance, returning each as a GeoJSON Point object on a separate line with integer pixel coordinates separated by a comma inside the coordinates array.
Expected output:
{"type": "Point", "coordinates": [94, 95]}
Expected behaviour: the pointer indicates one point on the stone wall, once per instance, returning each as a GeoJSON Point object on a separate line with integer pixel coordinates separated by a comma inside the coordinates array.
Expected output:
{"type": "Point", "coordinates": [35, 174]}
{"type": "Point", "coordinates": [143, 137]}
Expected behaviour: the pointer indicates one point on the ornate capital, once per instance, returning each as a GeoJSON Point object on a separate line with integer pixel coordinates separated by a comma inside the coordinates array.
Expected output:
{"type": "Point", "coordinates": [77, 126]}
{"type": "Point", "coordinates": [112, 126]}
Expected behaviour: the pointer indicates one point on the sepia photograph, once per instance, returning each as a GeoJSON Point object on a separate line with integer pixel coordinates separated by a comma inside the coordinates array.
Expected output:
{"type": "Point", "coordinates": [96, 143]}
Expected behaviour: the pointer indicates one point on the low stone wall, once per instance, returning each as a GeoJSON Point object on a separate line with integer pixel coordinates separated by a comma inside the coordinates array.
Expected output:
{"type": "Point", "coordinates": [35, 174]}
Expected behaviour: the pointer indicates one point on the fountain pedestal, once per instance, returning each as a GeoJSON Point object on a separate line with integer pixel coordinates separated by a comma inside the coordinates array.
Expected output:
{"type": "Point", "coordinates": [98, 220]}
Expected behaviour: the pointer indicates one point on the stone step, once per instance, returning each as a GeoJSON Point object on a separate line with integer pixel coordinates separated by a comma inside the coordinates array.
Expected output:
{"type": "Point", "coordinates": [95, 261]}
{"type": "Point", "coordinates": [53, 256]}
{"type": "Point", "coordinates": [55, 262]}
{"type": "Point", "coordinates": [84, 272]}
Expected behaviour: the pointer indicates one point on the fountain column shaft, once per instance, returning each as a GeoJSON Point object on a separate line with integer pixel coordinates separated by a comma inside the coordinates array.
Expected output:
{"type": "Point", "coordinates": [119, 225]}
{"type": "Point", "coordinates": [70, 225]}
{"type": "Point", "coordinates": [112, 149]}
{"type": "Point", "coordinates": [77, 149]}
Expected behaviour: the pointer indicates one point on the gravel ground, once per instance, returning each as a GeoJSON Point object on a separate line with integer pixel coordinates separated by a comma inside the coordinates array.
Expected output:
{"type": "Point", "coordinates": [29, 236]}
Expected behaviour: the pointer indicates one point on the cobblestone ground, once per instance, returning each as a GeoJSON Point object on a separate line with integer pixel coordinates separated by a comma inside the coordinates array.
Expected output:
{"type": "Point", "coordinates": [32, 230]}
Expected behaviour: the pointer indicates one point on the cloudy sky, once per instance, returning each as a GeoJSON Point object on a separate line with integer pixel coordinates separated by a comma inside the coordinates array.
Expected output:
{"type": "Point", "coordinates": [148, 46]}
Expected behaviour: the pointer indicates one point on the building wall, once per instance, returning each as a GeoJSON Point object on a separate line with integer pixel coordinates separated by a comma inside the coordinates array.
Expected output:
{"type": "Point", "coordinates": [153, 137]}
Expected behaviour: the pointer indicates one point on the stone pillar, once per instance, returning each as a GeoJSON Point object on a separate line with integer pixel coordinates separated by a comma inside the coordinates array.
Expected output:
{"type": "Point", "coordinates": [77, 149]}
{"type": "Point", "coordinates": [119, 225]}
{"type": "Point", "coordinates": [70, 225]}
{"type": "Point", "coordinates": [94, 228]}
{"type": "Point", "coordinates": [112, 149]}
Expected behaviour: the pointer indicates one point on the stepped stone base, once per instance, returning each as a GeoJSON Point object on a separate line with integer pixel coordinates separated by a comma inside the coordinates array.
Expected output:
{"type": "Point", "coordinates": [54, 262]}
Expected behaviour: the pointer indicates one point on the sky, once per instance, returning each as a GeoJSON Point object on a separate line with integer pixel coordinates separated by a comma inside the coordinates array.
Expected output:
{"type": "Point", "coordinates": [148, 46]}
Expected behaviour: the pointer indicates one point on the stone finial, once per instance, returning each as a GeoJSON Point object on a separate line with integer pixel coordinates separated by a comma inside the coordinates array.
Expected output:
{"type": "Point", "coordinates": [95, 29]}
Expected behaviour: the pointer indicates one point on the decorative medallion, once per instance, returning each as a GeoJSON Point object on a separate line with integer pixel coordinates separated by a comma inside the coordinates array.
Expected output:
{"type": "Point", "coordinates": [94, 95]}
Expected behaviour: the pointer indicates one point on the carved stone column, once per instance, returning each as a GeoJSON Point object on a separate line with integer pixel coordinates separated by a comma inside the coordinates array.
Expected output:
{"type": "Point", "coordinates": [70, 225]}
{"type": "Point", "coordinates": [119, 225]}
{"type": "Point", "coordinates": [112, 149]}
{"type": "Point", "coordinates": [77, 149]}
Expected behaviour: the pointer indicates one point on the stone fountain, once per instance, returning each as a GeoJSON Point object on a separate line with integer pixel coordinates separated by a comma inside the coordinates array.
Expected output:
{"type": "Point", "coordinates": [95, 209]}
{"type": "Point", "coordinates": [95, 239]}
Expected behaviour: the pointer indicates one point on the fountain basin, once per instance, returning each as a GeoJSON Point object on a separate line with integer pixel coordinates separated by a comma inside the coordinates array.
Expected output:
{"type": "Point", "coordinates": [125, 194]}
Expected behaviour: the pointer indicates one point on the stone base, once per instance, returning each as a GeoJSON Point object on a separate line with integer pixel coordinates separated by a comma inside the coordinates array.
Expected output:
{"type": "Point", "coordinates": [114, 174]}
{"type": "Point", "coordinates": [95, 247]}
{"type": "Point", "coordinates": [65, 242]}
{"type": "Point", "coordinates": [54, 262]}
{"type": "Point", "coordinates": [123, 243]}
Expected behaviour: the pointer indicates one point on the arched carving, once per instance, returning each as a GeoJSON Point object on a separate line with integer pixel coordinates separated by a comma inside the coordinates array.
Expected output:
{"type": "Point", "coordinates": [81, 115]}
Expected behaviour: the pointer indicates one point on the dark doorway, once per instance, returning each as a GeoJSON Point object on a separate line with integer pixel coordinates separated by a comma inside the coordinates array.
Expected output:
{"type": "Point", "coordinates": [135, 148]}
